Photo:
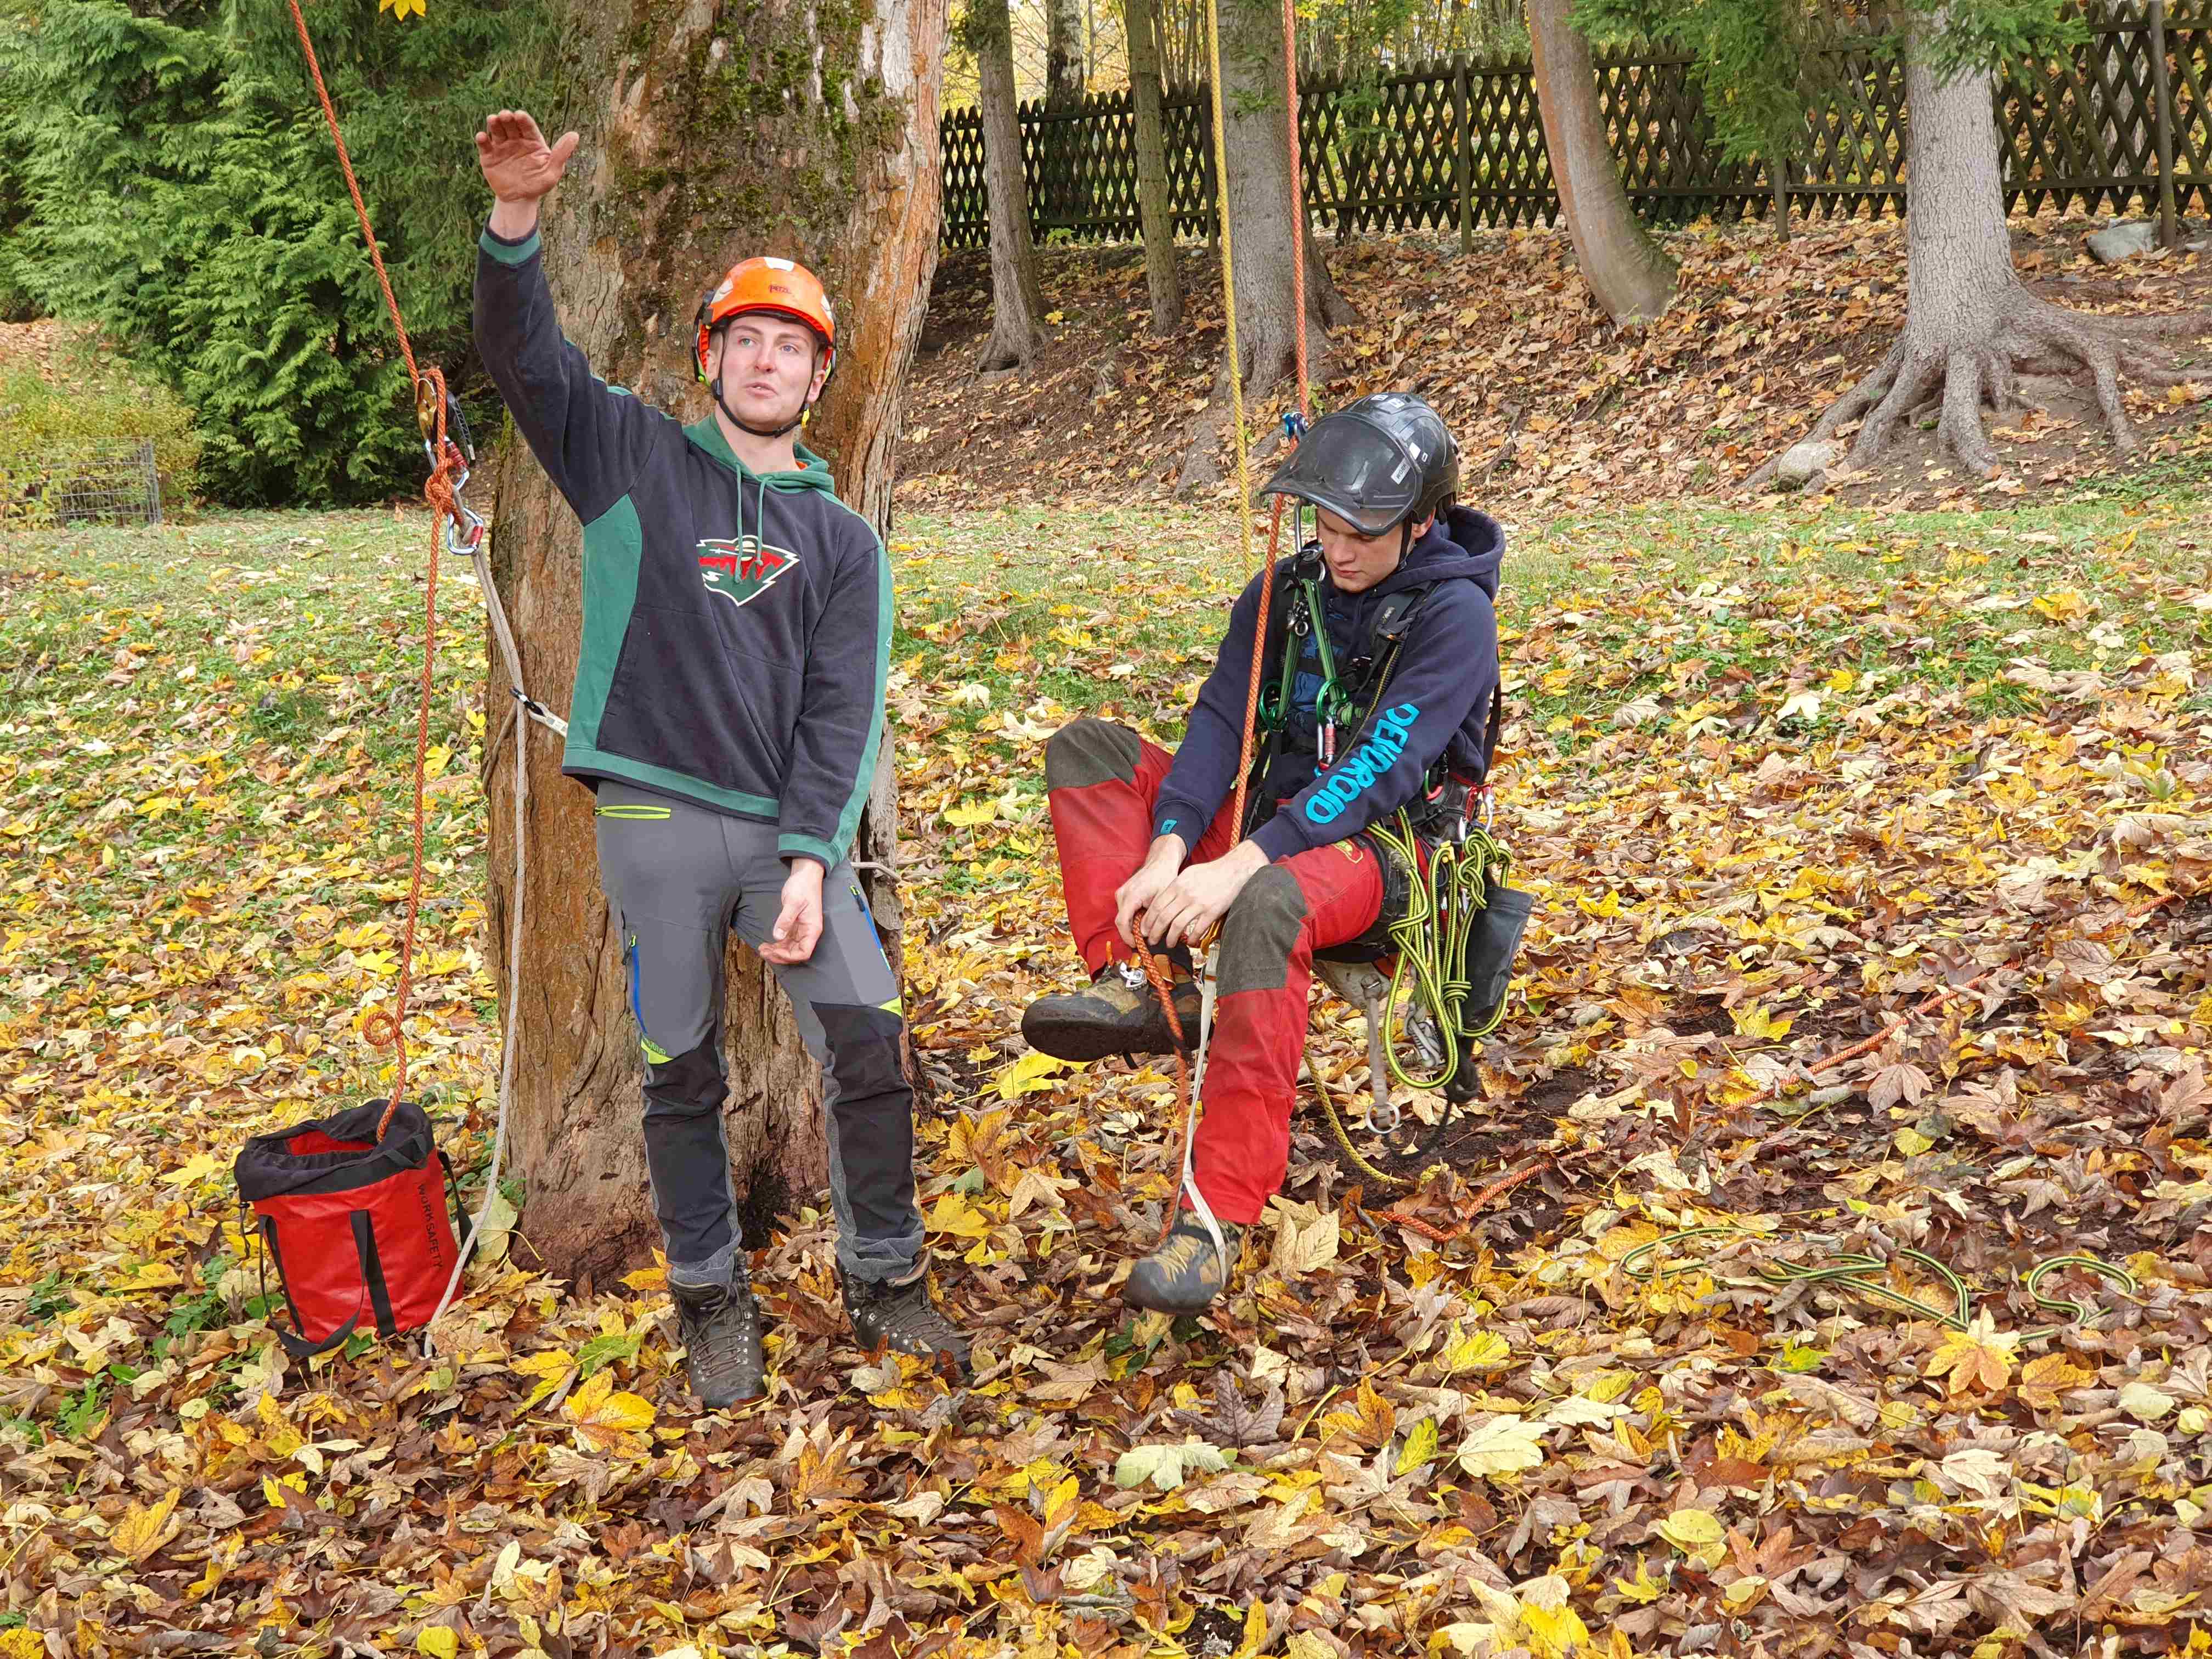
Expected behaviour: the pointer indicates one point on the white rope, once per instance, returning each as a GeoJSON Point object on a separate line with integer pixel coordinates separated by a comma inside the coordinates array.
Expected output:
{"type": "Point", "coordinates": [513, 1001]}
{"type": "Point", "coordinates": [1199, 1207]}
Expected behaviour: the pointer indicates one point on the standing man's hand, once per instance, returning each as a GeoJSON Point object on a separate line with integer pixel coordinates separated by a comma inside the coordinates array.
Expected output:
{"type": "Point", "coordinates": [520, 167]}
{"type": "Point", "coordinates": [798, 925]}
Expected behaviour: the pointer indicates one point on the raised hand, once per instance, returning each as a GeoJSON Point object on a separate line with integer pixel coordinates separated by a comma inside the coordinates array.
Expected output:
{"type": "Point", "coordinates": [518, 163]}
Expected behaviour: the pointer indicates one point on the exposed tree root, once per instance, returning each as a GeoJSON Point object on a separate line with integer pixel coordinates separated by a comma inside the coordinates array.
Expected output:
{"type": "Point", "coordinates": [1011, 347]}
{"type": "Point", "coordinates": [1269, 363]}
{"type": "Point", "coordinates": [2028, 336]}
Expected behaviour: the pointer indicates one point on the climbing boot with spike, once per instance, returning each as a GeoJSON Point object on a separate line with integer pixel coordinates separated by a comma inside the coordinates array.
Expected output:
{"type": "Point", "coordinates": [1119, 1013]}
{"type": "Point", "coordinates": [721, 1331]}
{"type": "Point", "coordinates": [1187, 1273]}
{"type": "Point", "coordinates": [903, 1319]}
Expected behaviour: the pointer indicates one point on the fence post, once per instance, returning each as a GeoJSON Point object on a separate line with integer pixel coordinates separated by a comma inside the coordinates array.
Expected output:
{"type": "Point", "coordinates": [1462, 155]}
{"type": "Point", "coordinates": [1779, 170]}
{"type": "Point", "coordinates": [2162, 97]}
{"type": "Point", "coordinates": [1206, 156]}
{"type": "Point", "coordinates": [153, 472]}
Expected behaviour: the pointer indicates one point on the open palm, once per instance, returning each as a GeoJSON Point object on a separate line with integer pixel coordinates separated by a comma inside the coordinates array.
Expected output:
{"type": "Point", "coordinates": [518, 163]}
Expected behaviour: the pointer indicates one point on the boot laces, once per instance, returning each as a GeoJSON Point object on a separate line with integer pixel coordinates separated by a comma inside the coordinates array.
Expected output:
{"type": "Point", "coordinates": [716, 1330]}
{"type": "Point", "coordinates": [904, 1316]}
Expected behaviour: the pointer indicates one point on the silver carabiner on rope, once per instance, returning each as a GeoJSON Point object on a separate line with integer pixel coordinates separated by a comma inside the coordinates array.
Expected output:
{"type": "Point", "coordinates": [465, 527]}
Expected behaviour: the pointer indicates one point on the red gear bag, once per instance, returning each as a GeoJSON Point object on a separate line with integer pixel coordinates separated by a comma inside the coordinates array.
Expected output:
{"type": "Point", "coordinates": [354, 1221]}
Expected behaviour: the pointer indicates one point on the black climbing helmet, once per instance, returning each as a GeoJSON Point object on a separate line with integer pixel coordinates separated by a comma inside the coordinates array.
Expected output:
{"type": "Point", "coordinates": [1384, 460]}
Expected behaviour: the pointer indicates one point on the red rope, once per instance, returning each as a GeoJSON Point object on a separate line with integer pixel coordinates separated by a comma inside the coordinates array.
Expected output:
{"type": "Point", "coordinates": [386, 1027]}
{"type": "Point", "coordinates": [1297, 198]}
{"type": "Point", "coordinates": [1155, 968]}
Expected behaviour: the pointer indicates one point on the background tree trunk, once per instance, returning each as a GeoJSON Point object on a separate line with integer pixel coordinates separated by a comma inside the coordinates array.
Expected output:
{"type": "Point", "coordinates": [1632, 276]}
{"type": "Point", "coordinates": [1065, 195]}
{"type": "Point", "coordinates": [1063, 52]}
{"type": "Point", "coordinates": [1970, 326]}
{"type": "Point", "coordinates": [704, 148]}
{"type": "Point", "coordinates": [1141, 22]}
{"type": "Point", "coordinates": [1016, 301]}
{"type": "Point", "coordinates": [1255, 86]}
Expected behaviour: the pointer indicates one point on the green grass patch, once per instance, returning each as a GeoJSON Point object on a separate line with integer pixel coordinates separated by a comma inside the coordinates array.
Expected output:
{"type": "Point", "coordinates": [84, 396]}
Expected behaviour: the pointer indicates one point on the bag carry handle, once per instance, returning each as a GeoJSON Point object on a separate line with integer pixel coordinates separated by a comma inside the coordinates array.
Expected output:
{"type": "Point", "coordinates": [375, 1292]}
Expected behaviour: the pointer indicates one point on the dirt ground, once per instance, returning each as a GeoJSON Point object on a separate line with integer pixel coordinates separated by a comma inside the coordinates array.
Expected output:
{"type": "Point", "coordinates": [1552, 402]}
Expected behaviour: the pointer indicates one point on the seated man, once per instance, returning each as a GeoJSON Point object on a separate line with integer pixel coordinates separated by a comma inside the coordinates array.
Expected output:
{"type": "Point", "coordinates": [1382, 705]}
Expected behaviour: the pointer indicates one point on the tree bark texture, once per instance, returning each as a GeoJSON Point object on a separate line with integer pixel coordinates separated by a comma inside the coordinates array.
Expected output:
{"type": "Point", "coordinates": [1155, 222]}
{"type": "Point", "coordinates": [1064, 67]}
{"type": "Point", "coordinates": [1970, 326]}
{"type": "Point", "coordinates": [1255, 87]}
{"type": "Point", "coordinates": [723, 128]}
{"type": "Point", "coordinates": [1016, 300]}
{"type": "Point", "coordinates": [1632, 276]}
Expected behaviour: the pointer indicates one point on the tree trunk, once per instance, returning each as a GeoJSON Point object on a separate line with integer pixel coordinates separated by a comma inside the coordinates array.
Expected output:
{"type": "Point", "coordinates": [1016, 301]}
{"type": "Point", "coordinates": [1063, 52]}
{"type": "Point", "coordinates": [1632, 276]}
{"type": "Point", "coordinates": [1254, 86]}
{"type": "Point", "coordinates": [702, 148]}
{"type": "Point", "coordinates": [1970, 326]}
{"type": "Point", "coordinates": [1156, 222]}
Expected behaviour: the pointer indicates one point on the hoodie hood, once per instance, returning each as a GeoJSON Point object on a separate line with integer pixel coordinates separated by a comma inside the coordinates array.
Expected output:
{"type": "Point", "coordinates": [813, 472]}
{"type": "Point", "coordinates": [1462, 544]}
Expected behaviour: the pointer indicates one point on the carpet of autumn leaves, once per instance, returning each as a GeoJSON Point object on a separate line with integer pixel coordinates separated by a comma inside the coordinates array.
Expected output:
{"type": "Point", "coordinates": [1778, 780]}
{"type": "Point", "coordinates": [1557, 405]}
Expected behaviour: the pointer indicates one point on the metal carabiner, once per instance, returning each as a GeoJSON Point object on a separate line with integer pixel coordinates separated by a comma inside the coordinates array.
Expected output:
{"type": "Point", "coordinates": [464, 529]}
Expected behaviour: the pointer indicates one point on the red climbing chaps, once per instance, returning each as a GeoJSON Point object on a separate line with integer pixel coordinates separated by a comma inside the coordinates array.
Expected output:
{"type": "Point", "coordinates": [1103, 780]}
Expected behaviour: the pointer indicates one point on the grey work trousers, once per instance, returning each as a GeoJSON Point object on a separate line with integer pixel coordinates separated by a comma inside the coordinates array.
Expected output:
{"type": "Point", "coordinates": [680, 877]}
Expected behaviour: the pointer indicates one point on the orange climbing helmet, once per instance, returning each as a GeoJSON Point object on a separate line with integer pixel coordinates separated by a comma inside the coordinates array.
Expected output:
{"type": "Point", "coordinates": [764, 283]}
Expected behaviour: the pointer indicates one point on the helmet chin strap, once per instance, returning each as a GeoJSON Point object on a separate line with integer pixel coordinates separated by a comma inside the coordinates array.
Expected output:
{"type": "Point", "coordinates": [715, 391]}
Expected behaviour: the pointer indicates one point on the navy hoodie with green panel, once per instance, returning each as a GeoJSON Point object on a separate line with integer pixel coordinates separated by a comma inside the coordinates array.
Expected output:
{"type": "Point", "coordinates": [1436, 708]}
{"type": "Point", "coordinates": [736, 625]}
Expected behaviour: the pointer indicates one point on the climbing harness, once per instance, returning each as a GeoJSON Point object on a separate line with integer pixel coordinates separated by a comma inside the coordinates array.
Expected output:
{"type": "Point", "coordinates": [1861, 1274]}
{"type": "Point", "coordinates": [1441, 986]}
{"type": "Point", "coordinates": [456, 528]}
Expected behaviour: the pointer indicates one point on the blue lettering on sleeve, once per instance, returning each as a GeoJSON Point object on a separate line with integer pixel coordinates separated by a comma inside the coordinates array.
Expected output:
{"type": "Point", "coordinates": [1357, 772]}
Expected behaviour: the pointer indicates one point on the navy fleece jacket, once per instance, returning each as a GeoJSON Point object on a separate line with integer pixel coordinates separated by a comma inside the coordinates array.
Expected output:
{"type": "Point", "coordinates": [736, 625]}
{"type": "Point", "coordinates": [1436, 706]}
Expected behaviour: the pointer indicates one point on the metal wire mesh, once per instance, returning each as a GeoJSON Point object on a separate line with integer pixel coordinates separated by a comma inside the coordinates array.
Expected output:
{"type": "Point", "coordinates": [101, 478]}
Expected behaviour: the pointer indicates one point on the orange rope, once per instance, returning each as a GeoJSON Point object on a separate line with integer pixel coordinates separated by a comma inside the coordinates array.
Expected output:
{"type": "Point", "coordinates": [1156, 970]}
{"type": "Point", "coordinates": [1437, 1235]}
{"type": "Point", "coordinates": [360, 209]}
{"type": "Point", "coordinates": [1154, 967]}
{"type": "Point", "coordinates": [387, 1026]}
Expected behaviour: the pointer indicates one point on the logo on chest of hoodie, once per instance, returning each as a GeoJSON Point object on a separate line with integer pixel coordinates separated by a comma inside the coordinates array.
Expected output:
{"type": "Point", "coordinates": [741, 571]}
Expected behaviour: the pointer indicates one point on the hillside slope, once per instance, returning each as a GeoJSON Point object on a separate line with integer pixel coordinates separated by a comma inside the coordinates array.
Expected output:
{"type": "Point", "coordinates": [1551, 402]}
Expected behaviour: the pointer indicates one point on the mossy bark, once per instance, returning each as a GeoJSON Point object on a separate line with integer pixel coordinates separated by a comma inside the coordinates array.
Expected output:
{"type": "Point", "coordinates": [718, 130]}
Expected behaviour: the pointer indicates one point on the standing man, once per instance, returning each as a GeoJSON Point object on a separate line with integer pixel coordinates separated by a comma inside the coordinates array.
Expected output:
{"type": "Point", "coordinates": [728, 704]}
{"type": "Point", "coordinates": [1379, 680]}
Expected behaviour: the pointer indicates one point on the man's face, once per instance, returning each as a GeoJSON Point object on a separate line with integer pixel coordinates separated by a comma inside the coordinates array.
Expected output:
{"type": "Point", "coordinates": [1357, 563]}
{"type": "Point", "coordinates": [768, 366]}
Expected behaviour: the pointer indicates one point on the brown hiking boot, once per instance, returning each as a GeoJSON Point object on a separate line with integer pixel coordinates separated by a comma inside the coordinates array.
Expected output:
{"type": "Point", "coordinates": [721, 1331]}
{"type": "Point", "coordinates": [905, 1319]}
{"type": "Point", "coordinates": [1119, 1014]}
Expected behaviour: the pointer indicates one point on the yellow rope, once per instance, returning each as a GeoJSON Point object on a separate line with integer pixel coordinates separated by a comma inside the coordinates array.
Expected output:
{"type": "Point", "coordinates": [1229, 284]}
{"type": "Point", "coordinates": [1380, 1177]}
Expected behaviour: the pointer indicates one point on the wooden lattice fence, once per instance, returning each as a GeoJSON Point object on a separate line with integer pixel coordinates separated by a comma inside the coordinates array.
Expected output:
{"type": "Point", "coordinates": [1459, 144]}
